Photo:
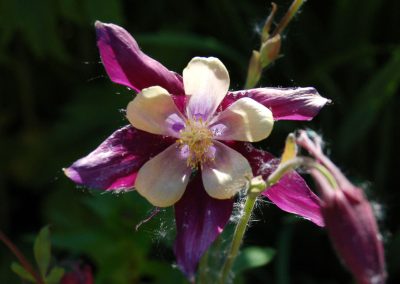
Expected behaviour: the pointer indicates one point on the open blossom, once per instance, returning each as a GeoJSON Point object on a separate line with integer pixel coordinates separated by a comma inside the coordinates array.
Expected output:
{"type": "Point", "coordinates": [180, 125]}
{"type": "Point", "coordinates": [349, 220]}
{"type": "Point", "coordinates": [164, 178]}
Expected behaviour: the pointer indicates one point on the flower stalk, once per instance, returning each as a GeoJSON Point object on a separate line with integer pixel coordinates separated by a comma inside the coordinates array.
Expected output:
{"type": "Point", "coordinates": [238, 236]}
{"type": "Point", "coordinates": [270, 44]}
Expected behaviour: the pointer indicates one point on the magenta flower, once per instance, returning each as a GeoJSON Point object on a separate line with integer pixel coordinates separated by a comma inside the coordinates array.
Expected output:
{"type": "Point", "coordinates": [185, 125]}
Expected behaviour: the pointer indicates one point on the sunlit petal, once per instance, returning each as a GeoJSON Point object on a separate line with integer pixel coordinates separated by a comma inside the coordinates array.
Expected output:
{"type": "Point", "coordinates": [226, 174]}
{"type": "Point", "coordinates": [206, 81]}
{"type": "Point", "coordinates": [163, 179]}
{"type": "Point", "coordinates": [153, 110]}
{"type": "Point", "coordinates": [244, 120]}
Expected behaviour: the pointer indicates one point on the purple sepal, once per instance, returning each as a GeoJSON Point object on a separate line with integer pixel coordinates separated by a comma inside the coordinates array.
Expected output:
{"type": "Point", "coordinates": [285, 103]}
{"type": "Point", "coordinates": [127, 65]}
{"type": "Point", "coordinates": [115, 163]}
{"type": "Point", "coordinates": [200, 219]}
{"type": "Point", "coordinates": [352, 228]}
{"type": "Point", "coordinates": [291, 193]}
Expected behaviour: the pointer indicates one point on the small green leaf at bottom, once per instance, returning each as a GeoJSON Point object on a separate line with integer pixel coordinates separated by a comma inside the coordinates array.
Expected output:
{"type": "Point", "coordinates": [55, 275]}
{"type": "Point", "coordinates": [252, 257]}
{"type": "Point", "coordinates": [41, 249]}
{"type": "Point", "coordinates": [21, 272]}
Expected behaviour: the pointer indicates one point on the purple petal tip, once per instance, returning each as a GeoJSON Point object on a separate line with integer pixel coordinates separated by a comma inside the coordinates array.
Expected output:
{"type": "Point", "coordinates": [72, 175]}
{"type": "Point", "coordinates": [98, 24]}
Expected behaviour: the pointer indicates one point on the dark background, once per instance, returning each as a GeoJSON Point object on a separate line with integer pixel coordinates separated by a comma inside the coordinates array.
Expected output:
{"type": "Point", "coordinates": [57, 104]}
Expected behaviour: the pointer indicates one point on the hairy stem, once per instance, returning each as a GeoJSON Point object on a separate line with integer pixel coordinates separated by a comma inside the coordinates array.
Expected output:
{"type": "Point", "coordinates": [238, 237]}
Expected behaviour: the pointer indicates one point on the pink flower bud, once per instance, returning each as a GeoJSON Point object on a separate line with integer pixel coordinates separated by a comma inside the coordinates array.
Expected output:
{"type": "Point", "coordinates": [79, 275]}
{"type": "Point", "coordinates": [349, 220]}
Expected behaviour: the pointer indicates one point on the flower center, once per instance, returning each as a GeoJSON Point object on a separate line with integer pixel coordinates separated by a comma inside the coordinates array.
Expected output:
{"type": "Point", "coordinates": [197, 137]}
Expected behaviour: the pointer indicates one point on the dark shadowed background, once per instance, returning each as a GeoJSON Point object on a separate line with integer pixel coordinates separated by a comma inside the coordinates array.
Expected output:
{"type": "Point", "coordinates": [57, 104]}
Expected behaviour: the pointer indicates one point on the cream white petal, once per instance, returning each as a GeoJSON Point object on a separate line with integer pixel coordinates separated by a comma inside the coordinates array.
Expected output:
{"type": "Point", "coordinates": [206, 81]}
{"type": "Point", "coordinates": [244, 120]}
{"type": "Point", "coordinates": [163, 179]}
{"type": "Point", "coordinates": [153, 110]}
{"type": "Point", "coordinates": [227, 174]}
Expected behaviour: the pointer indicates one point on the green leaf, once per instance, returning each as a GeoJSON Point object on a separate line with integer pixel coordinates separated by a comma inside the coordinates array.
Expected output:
{"type": "Point", "coordinates": [252, 257]}
{"type": "Point", "coordinates": [41, 250]}
{"type": "Point", "coordinates": [21, 272]}
{"type": "Point", "coordinates": [55, 275]}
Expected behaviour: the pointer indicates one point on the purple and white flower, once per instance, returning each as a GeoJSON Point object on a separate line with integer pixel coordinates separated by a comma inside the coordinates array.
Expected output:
{"type": "Point", "coordinates": [180, 125]}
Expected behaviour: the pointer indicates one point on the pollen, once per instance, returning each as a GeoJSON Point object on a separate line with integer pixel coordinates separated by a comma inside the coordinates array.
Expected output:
{"type": "Point", "coordinates": [198, 138]}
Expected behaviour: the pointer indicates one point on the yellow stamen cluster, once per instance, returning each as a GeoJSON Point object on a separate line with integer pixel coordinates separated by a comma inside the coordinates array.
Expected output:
{"type": "Point", "coordinates": [198, 137]}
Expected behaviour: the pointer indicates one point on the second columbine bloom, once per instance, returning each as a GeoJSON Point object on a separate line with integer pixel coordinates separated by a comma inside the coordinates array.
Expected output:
{"type": "Point", "coordinates": [163, 179]}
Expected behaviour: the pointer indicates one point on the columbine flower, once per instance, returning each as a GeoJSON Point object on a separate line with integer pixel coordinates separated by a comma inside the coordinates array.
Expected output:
{"type": "Point", "coordinates": [349, 220]}
{"type": "Point", "coordinates": [198, 132]}
{"type": "Point", "coordinates": [179, 125]}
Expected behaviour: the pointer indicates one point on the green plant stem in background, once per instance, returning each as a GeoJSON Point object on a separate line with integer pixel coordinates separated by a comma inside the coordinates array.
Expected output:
{"type": "Point", "coordinates": [288, 17]}
{"type": "Point", "coordinates": [21, 258]}
{"type": "Point", "coordinates": [255, 189]}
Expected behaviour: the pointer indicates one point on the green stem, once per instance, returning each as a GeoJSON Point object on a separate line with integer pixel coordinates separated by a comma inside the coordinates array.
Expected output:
{"type": "Point", "coordinates": [300, 162]}
{"type": "Point", "coordinates": [288, 17]}
{"type": "Point", "coordinates": [238, 237]}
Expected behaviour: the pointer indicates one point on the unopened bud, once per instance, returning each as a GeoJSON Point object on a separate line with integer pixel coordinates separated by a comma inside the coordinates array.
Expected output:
{"type": "Point", "coordinates": [270, 50]}
{"type": "Point", "coordinates": [290, 151]}
{"type": "Point", "coordinates": [254, 71]}
{"type": "Point", "coordinates": [353, 230]}
{"type": "Point", "coordinates": [265, 34]}
{"type": "Point", "coordinates": [349, 219]}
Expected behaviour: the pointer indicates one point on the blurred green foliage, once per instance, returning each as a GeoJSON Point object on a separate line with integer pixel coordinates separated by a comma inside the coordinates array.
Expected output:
{"type": "Point", "coordinates": [43, 271]}
{"type": "Point", "coordinates": [57, 104]}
